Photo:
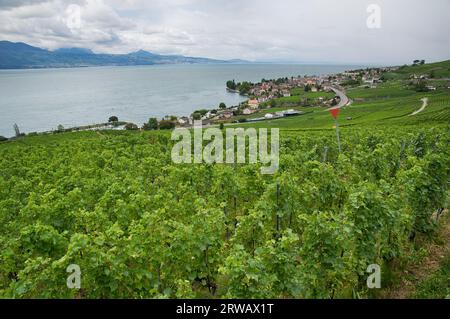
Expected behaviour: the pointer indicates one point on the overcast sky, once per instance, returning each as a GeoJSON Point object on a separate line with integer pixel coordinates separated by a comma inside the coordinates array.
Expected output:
{"type": "Point", "coordinates": [259, 30]}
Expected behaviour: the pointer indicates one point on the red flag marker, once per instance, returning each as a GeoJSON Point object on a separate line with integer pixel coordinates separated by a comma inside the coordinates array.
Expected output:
{"type": "Point", "coordinates": [335, 112]}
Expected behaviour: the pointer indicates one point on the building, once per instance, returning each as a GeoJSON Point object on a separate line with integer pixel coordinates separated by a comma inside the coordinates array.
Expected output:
{"type": "Point", "coordinates": [286, 93]}
{"type": "Point", "coordinates": [227, 114]}
{"type": "Point", "coordinates": [254, 104]}
{"type": "Point", "coordinates": [184, 120]}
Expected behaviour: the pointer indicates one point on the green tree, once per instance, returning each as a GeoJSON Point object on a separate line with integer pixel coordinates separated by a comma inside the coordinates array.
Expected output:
{"type": "Point", "coordinates": [166, 125]}
{"type": "Point", "coordinates": [222, 106]}
{"type": "Point", "coordinates": [231, 85]}
{"type": "Point", "coordinates": [131, 127]}
{"type": "Point", "coordinates": [152, 124]}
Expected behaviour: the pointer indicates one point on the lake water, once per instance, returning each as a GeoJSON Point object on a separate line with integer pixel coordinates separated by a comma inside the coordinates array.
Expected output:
{"type": "Point", "coordinates": [40, 100]}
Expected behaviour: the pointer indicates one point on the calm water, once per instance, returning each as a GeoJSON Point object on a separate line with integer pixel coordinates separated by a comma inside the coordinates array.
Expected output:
{"type": "Point", "coordinates": [40, 100]}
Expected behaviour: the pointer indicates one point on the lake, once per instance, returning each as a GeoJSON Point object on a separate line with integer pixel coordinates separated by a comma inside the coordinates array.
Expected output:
{"type": "Point", "coordinates": [40, 100]}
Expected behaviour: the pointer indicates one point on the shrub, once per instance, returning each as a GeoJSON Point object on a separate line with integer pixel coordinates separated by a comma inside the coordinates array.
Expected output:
{"type": "Point", "coordinates": [166, 125]}
{"type": "Point", "coordinates": [131, 127]}
{"type": "Point", "coordinates": [152, 124]}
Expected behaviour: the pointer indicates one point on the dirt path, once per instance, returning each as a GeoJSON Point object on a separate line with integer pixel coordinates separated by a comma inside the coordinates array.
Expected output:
{"type": "Point", "coordinates": [424, 105]}
{"type": "Point", "coordinates": [415, 273]}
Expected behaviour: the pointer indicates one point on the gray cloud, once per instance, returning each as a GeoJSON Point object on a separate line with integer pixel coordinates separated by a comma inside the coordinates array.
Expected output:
{"type": "Point", "coordinates": [284, 30]}
{"type": "Point", "coordinates": [4, 4]}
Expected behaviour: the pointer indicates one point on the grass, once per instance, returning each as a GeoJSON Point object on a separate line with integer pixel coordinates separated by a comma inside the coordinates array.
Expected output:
{"type": "Point", "coordinates": [393, 111]}
{"type": "Point", "coordinates": [297, 95]}
{"type": "Point", "coordinates": [437, 286]}
{"type": "Point", "coordinates": [440, 70]}
{"type": "Point", "coordinates": [385, 90]}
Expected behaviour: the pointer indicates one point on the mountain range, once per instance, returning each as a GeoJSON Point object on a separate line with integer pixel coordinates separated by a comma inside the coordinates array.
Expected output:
{"type": "Point", "coordinates": [23, 56]}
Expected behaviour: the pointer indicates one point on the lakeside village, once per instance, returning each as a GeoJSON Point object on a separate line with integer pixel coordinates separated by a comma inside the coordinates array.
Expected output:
{"type": "Point", "coordinates": [283, 97]}
{"type": "Point", "coordinates": [267, 100]}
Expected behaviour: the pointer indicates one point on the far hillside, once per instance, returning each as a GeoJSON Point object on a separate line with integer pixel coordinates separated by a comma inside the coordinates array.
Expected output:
{"type": "Point", "coordinates": [417, 94]}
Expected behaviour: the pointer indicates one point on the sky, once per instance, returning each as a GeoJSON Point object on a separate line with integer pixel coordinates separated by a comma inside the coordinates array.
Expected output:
{"type": "Point", "coordinates": [319, 31]}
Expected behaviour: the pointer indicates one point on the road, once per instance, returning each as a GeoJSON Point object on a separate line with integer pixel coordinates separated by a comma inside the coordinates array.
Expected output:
{"type": "Point", "coordinates": [424, 105]}
{"type": "Point", "coordinates": [344, 98]}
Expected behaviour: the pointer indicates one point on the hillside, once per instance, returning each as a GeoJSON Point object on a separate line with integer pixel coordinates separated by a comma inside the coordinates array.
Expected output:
{"type": "Point", "coordinates": [24, 56]}
{"type": "Point", "coordinates": [391, 103]}
{"type": "Point", "coordinates": [141, 226]}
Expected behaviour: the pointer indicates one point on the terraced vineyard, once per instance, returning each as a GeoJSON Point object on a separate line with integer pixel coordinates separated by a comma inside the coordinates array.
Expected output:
{"type": "Point", "coordinates": [140, 226]}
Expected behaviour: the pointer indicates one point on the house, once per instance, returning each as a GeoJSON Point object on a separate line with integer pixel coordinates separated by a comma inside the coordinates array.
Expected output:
{"type": "Point", "coordinates": [431, 88]}
{"type": "Point", "coordinates": [314, 89]}
{"type": "Point", "coordinates": [248, 111]}
{"type": "Point", "coordinates": [184, 120]}
{"type": "Point", "coordinates": [286, 93]}
{"type": "Point", "coordinates": [254, 104]}
{"type": "Point", "coordinates": [227, 114]}
{"type": "Point", "coordinates": [268, 116]}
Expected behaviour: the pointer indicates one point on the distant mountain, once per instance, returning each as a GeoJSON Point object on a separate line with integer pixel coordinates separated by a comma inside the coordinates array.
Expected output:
{"type": "Point", "coordinates": [24, 56]}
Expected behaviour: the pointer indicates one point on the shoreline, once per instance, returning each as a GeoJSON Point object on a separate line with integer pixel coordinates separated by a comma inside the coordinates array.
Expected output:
{"type": "Point", "coordinates": [106, 126]}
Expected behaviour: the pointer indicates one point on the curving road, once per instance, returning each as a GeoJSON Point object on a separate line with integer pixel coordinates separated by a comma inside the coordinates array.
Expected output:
{"type": "Point", "coordinates": [344, 98]}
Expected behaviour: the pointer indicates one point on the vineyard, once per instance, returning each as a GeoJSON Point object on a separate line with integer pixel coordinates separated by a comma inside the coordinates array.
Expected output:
{"type": "Point", "coordinates": [140, 226]}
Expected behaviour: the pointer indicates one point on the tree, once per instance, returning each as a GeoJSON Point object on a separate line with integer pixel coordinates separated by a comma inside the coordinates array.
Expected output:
{"type": "Point", "coordinates": [60, 128]}
{"type": "Point", "coordinates": [113, 119]}
{"type": "Point", "coordinates": [2, 138]}
{"type": "Point", "coordinates": [152, 124]}
{"type": "Point", "coordinates": [131, 127]}
{"type": "Point", "coordinates": [421, 86]}
{"type": "Point", "coordinates": [166, 125]}
{"type": "Point", "coordinates": [221, 126]}
{"type": "Point", "coordinates": [231, 85]}
{"type": "Point", "coordinates": [307, 88]}
{"type": "Point", "coordinates": [196, 116]}
{"type": "Point", "coordinates": [202, 111]}
{"type": "Point", "coordinates": [244, 87]}
{"type": "Point", "coordinates": [334, 102]}
{"type": "Point", "coordinates": [222, 106]}
{"type": "Point", "coordinates": [16, 130]}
